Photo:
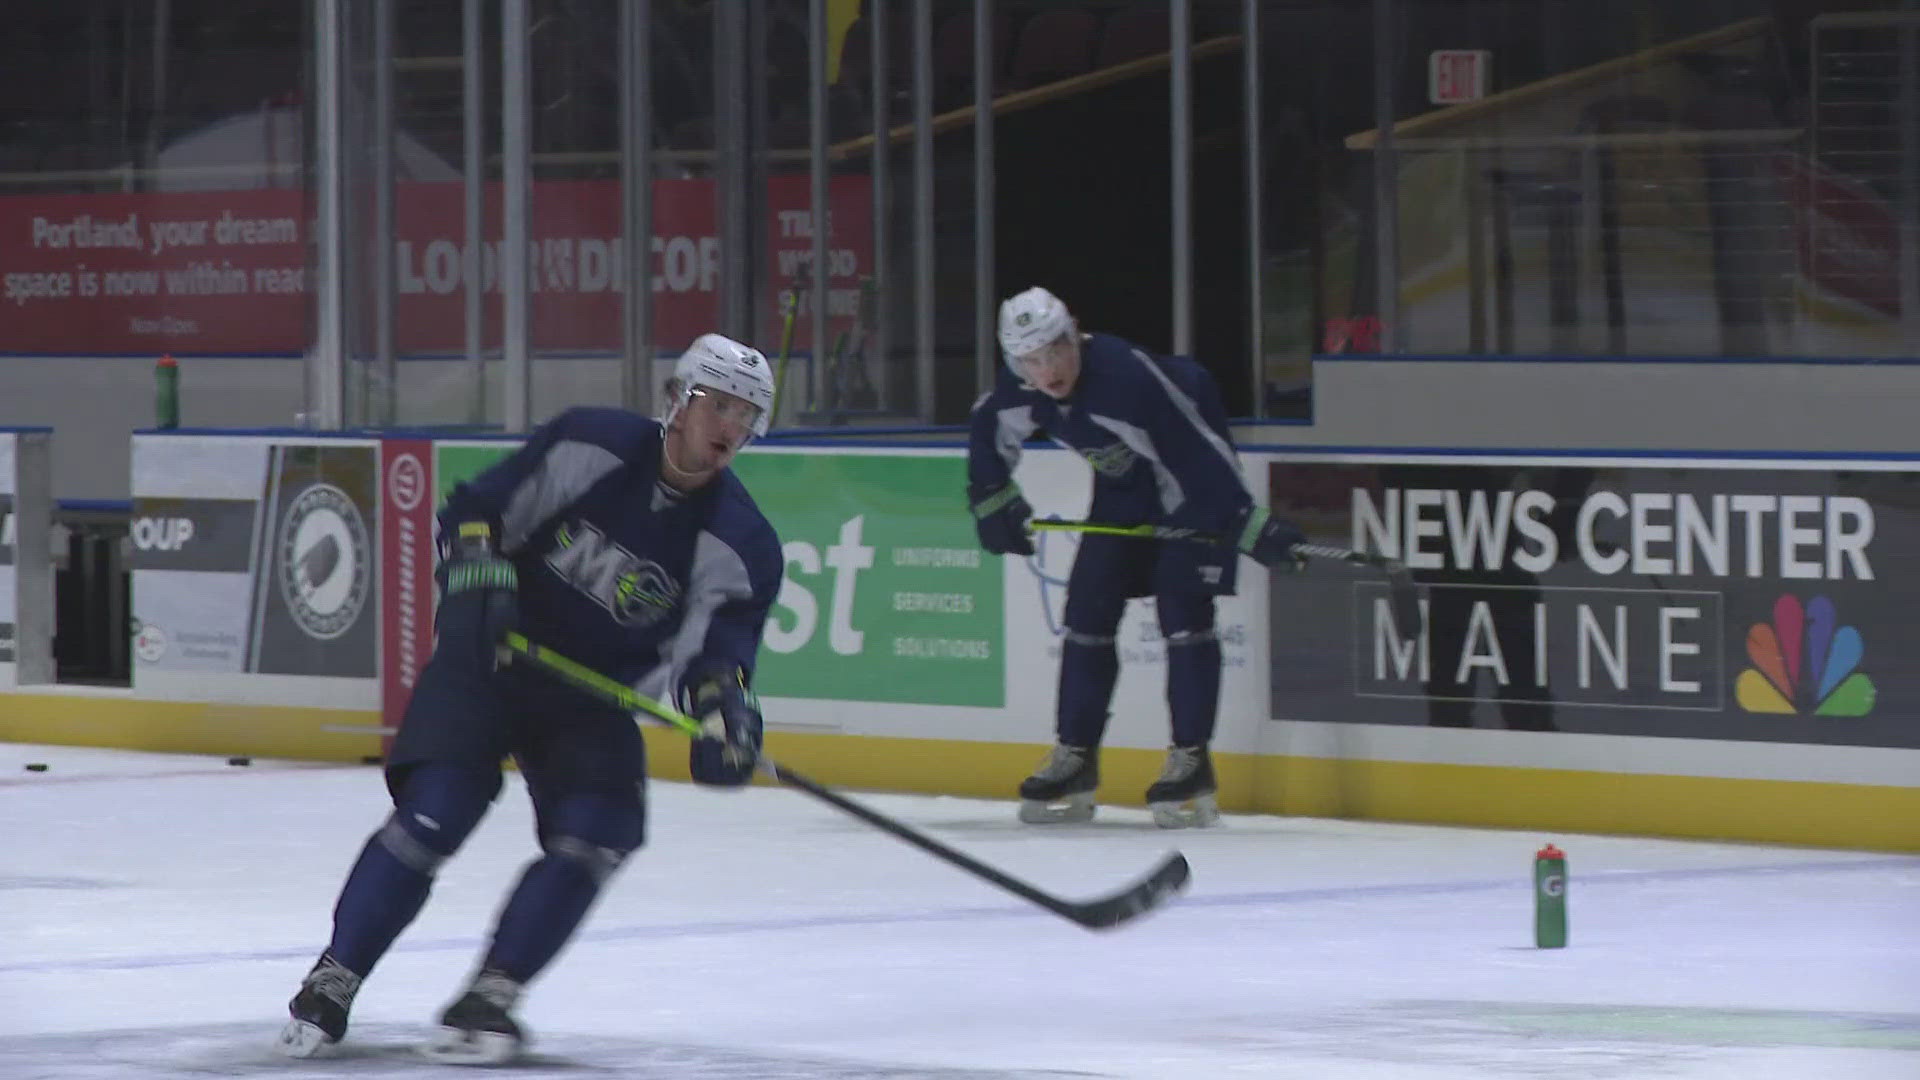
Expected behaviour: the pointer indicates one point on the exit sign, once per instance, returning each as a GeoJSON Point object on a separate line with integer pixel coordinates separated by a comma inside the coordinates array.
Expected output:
{"type": "Point", "coordinates": [1457, 75]}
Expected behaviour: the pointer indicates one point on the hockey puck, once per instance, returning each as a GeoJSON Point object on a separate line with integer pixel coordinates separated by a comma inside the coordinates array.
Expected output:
{"type": "Point", "coordinates": [36, 766]}
{"type": "Point", "coordinates": [239, 761]}
{"type": "Point", "coordinates": [372, 759]}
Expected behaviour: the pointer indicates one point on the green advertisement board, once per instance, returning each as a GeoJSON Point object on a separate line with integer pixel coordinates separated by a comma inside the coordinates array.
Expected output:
{"type": "Point", "coordinates": [887, 596]}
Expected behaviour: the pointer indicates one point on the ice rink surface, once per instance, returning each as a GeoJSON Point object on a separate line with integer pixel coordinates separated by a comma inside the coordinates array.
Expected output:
{"type": "Point", "coordinates": [157, 911]}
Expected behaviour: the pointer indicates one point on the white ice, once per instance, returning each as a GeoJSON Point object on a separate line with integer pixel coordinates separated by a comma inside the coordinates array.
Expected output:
{"type": "Point", "coordinates": [157, 911]}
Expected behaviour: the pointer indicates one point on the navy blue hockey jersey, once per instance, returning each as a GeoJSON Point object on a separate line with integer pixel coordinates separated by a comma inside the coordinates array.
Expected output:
{"type": "Point", "coordinates": [618, 571]}
{"type": "Point", "coordinates": [1152, 428]}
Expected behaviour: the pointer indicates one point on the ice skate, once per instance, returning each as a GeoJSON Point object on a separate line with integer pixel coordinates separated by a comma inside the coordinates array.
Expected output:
{"type": "Point", "coordinates": [1061, 790]}
{"type": "Point", "coordinates": [479, 1029]}
{"type": "Point", "coordinates": [1183, 796]}
{"type": "Point", "coordinates": [319, 1010]}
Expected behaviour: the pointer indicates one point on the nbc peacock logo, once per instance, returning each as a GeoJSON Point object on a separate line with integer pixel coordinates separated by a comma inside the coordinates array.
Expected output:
{"type": "Point", "coordinates": [1804, 661]}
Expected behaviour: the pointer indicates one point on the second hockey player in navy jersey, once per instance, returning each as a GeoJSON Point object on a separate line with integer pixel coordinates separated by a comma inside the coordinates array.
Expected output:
{"type": "Point", "coordinates": [1155, 434]}
{"type": "Point", "coordinates": [626, 544]}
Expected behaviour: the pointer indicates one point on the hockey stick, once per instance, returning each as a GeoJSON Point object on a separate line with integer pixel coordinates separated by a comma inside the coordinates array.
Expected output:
{"type": "Point", "coordinates": [788, 305]}
{"type": "Point", "coordinates": [1402, 597]}
{"type": "Point", "coordinates": [1102, 913]}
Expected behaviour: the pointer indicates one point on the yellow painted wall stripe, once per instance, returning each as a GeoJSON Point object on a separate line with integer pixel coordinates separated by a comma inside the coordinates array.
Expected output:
{"type": "Point", "coordinates": [1857, 816]}
{"type": "Point", "coordinates": [181, 727]}
{"type": "Point", "coordinates": [1487, 796]}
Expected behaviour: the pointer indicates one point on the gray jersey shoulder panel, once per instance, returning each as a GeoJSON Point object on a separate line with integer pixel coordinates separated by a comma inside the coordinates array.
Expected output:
{"type": "Point", "coordinates": [564, 474]}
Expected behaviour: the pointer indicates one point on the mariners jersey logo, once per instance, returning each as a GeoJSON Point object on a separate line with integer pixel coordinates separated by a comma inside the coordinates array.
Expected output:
{"type": "Point", "coordinates": [325, 573]}
{"type": "Point", "coordinates": [635, 591]}
{"type": "Point", "coordinates": [1111, 460]}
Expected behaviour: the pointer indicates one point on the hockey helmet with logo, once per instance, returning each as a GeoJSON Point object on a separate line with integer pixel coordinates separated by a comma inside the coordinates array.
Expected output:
{"type": "Point", "coordinates": [1031, 321]}
{"type": "Point", "coordinates": [717, 362]}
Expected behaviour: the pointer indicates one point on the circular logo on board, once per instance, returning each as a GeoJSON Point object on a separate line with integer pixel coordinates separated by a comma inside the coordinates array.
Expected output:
{"type": "Point", "coordinates": [150, 644]}
{"type": "Point", "coordinates": [406, 481]}
{"type": "Point", "coordinates": [324, 569]}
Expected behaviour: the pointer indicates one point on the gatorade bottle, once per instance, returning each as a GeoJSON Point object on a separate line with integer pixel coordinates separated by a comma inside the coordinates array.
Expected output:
{"type": "Point", "coordinates": [166, 393]}
{"type": "Point", "coordinates": [1550, 898]}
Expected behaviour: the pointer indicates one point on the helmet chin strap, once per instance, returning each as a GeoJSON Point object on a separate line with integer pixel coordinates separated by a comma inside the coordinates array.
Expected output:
{"type": "Point", "coordinates": [690, 478]}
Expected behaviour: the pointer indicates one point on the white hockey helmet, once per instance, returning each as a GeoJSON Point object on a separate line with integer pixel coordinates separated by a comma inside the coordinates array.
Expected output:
{"type": "Point", "coordinates": [717, 362]}
{"type": "Point", "coordinates": [1029, 321]}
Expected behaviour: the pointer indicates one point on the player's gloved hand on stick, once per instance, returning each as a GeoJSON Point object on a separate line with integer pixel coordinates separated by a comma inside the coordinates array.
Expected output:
{"type": "Point", "coordinates": [1268, 539]}
{"type": "Point", "coordinates": [479, 595]}
{"type": "Point", "coordinates": [729, 715]}
{"type": "Point", "coordinates": [1000, 515]}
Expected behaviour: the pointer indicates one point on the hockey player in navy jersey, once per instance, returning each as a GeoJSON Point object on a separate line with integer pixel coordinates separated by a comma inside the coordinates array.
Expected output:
{"type": "Point", "coordinates": [627, 544]}
{"type": "Point", "coordinates": [1155, 433]}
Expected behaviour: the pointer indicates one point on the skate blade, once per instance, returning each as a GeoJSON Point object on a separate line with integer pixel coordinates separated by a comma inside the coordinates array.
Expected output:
{"type": "Point", "coordinates": [1200, 812]}
{"type": "Point", "coordinates": [300, 1039]}
{"type": "Point", "coordinates": [456, 1046]}
{"type": "Point", "coordinates": [1068, 811]}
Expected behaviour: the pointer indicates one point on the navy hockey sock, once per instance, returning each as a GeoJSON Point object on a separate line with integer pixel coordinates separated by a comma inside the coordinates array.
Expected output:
{"type": "Point", "coordinates": [438, 807]}
{"type": "Point", "coordinates": [546, 908]}
{"type": "Point", "coordinates": [1193, 665]}
{"type": "Point", "coordinates": [589, 837]}
{"type": "Point", "coordinates": [1193, 685]}
{"type": "Point", "coordinates": [1089, 664]}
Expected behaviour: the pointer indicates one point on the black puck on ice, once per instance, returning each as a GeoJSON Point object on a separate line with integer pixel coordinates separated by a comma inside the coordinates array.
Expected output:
{"type": "Point", "coordinates": [372, 759]}
{"type": "Point", "coordinates": [36, 766]}
{"type": "Point", "coordinates": [239, 761]}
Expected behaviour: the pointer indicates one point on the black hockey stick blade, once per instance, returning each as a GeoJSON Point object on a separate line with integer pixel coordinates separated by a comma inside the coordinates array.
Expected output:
{"type": "Point", "coordinates": [1103, 913]}
{"type": "Point", "coordinates": [1162, 884]}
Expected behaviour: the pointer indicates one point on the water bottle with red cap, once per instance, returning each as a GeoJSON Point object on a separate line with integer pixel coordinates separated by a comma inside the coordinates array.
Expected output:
{"type": "Point", "coordinates": [166, 393]}
{"type": "Point", "coordinates": [1550, 898]}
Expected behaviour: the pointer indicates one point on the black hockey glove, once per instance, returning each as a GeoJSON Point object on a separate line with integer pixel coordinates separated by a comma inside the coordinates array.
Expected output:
{"type": "Point", "coordinates": [729, 715]}
{"type": "Point", "coordinates": [479, 596]}
{"type": "Point", "coordinates": [1268, 539]}
{"type": "Point", "coordinates": [1000, 517]}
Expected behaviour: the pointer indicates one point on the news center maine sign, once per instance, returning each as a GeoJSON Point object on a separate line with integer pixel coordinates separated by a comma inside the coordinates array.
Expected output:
{"type": "Point", "coordinates": [1729, 599]}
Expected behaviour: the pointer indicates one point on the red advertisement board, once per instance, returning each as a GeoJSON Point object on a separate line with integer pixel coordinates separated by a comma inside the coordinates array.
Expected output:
{"type": "Point", "coordinates": [227, 272]}
{"type": "Point", "coordinates": [406, 560]}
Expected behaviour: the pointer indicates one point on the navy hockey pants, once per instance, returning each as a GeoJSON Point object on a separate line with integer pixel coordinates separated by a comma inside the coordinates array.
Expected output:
{"type": "Point", "coordinates": [584, 767]}
{"type": "Point", "coordinates": [1107, 571]}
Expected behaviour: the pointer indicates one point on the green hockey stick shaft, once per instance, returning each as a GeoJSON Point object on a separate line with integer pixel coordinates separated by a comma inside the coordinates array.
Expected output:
{"type": "Point", "coordinates": [612, 691]}
{"type": "Point", "coordinates": [1148, 532]}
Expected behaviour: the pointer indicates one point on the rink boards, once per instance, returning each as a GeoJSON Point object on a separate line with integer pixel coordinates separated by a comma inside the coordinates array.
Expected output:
{"type": "Point", "coordinates": [1673, 646]}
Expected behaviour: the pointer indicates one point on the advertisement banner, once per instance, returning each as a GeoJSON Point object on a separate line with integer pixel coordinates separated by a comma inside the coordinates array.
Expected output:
{"type": "Point", "coordinates": [8, 529]}
{"type": "Point", "coordinates": [887, 596]}
{"type": "Point", "coordinates": [254, 556]}
{"type": "Point", "coordinates": [1708, 599]}
{"type": "Point", "coordinates": [416, 476]}
{"type": "Point", "coordinates": [193, 537]}
{"type": "Point", "coordinates": [406, 586]}
{"type": "Point", "coordinates": [225, 272]}
{"type": "Point", "coordinates": [314, 613]}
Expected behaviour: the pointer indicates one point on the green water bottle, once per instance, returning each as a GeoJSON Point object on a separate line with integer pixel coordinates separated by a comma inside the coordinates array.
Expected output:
{"type": "Point", "coordinates": [1550, 898]}
{"type": "Point", "coordinates": [166, 393]}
